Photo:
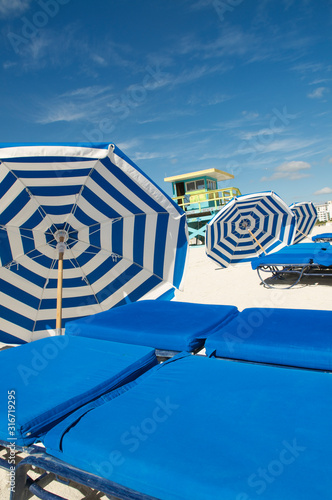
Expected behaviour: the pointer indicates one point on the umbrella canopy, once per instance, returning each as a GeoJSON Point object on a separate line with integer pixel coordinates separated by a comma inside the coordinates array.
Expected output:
{"type": "Point", "coordinates": [248, 226]}
{"type": "Point", "coordinates": [306, 217]}
{"type": "Point", "coordinates": [89, 210]}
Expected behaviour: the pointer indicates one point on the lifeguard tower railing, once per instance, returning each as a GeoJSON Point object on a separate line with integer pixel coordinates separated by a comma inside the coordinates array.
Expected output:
{"type": "Point", "coordinates": [201, 206]}
{"type": "Point", "coordinates": [202, 201]}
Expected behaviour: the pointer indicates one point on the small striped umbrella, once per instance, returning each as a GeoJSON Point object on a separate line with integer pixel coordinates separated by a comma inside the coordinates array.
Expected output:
{"type": "Point", "coordinates": [82, 230]}
{"type": "Point", "coordinates": [306, 217]}
{"type": "Point", "coordinates": [248, 226]}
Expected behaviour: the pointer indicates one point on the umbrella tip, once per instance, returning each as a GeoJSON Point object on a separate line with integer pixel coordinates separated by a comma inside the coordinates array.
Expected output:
{"type": "Point", "coordinates": [61, 235]}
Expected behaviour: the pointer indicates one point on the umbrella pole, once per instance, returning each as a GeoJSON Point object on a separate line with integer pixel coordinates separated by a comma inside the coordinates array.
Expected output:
{"type": "Point", "coordinates": [256, 240]}
{"type": "Point", "coordinates": [61, 248]}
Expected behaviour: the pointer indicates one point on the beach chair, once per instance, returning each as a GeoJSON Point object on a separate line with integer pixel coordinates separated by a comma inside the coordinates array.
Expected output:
{"type": "Point", "coordinates": [169, 327]}
{"type": "Point", "coordinates": [54, 376]}
{"type": "Point", "coordinates": [298, 338]}
{"type": "Point", "coordinates": [45, 380]}
{"type": "Point", "coordinates": [288, 266]}
{"type": "Point", "coordinates": [199, 428]}
{"type": "Point", "coordinates": [322, 237]}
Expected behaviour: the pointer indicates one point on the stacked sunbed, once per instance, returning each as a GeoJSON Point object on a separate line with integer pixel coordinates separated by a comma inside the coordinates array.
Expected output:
{"type": "Point", "coordinates": [249, 416]}
{"type": "Point", "coordinates": [287, 266]}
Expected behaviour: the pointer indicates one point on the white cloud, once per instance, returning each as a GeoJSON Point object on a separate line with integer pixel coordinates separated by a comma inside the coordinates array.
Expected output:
{"type": "Point", "coordinates": [318, 93]}
{"type": "Point", "coordinates": [262, 133]}
{"type": "Point", "coordinates": [87, 92]}
{"type": "Point", "coordinates": [99, 60]}
{"type": "Point", "coordinates": [326, 190]}
{"type": "Point", "coordinates": [129, 144]}
{"type": "Point", "coordinates": [88, 103]}
{"type": "Point", "coordinates": [148, 156]}
{"type": "Point", "coordinates": [13, 7]}
{"type": "Point", "coordinates": [319, 80]}
{"type": "Point", "coordinates": [292, 170]}
{"type": "Point", "coordinates": [9, 64]}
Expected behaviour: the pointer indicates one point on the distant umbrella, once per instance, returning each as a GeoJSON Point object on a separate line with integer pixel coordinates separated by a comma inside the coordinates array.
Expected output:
{"type": "Point", "coordinates": [248, 226]}
{"type": "Point", "coordinates": [82, 230]}
{"type": "Point", "coordinates": [306, 217]}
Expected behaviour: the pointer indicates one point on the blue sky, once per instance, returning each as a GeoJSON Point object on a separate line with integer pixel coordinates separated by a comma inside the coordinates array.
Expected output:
{"type": "Point", "coordinates": [244, 86]}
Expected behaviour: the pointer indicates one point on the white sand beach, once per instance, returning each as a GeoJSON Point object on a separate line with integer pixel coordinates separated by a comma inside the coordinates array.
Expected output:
{"type": "Point", "coordinates": [239, 285]}
{"type": "Point", "coordinates": [206, 282]}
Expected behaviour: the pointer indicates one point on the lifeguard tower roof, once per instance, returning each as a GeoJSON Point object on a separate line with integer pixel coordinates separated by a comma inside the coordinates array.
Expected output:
{"type": "Point", "coordinates": [218, 175]}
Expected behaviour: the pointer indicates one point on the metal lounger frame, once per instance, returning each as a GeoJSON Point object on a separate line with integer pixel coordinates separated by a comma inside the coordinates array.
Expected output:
{"type": "Point", "coordinates": [299, 270]}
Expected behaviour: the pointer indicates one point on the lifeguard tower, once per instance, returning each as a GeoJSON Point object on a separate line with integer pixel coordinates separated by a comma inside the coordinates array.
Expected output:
{"type": "Point", "coordinates": [197, 193]}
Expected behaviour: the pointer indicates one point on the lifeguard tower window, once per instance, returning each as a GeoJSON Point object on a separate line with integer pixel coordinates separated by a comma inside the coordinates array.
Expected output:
{"type": "Point", "coordinates": [195, 185]}
{"type": "Point", "coordinates": [211, 184]}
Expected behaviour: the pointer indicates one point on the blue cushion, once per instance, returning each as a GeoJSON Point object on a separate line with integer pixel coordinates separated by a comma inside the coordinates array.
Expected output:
{"type": "Point", "coordinates": [177, 326]}
{"type": "Point", "coordinates": [203, 428]}
{"type": "Point", "coordinates": [295, 337]}
{"type": "Point", "coordinates": [53, 376]}
{"type": "Point", "coordinates": [301, 254]}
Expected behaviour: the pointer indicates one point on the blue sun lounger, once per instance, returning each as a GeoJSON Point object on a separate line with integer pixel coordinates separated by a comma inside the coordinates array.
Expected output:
{"type": "Point", "coordinates": [54, 376]}
{"type": "Point", "coordinates": [203, 398]}
{"type": "Point", "coordinates": [290, 264]}
{"type": "Point", "coordinates": [51, 377]}
{"type": "Point", "coordinates": [166, 326]}
{"type": "Point", "coordinates": [298, 338]}
{"type": "Point", "coordinates": [322, 237]}
{"type": "Point", "coordinates": [200, 428]}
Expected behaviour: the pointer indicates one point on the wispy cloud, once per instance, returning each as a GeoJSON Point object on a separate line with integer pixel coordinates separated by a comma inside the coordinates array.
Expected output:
{"type": "Point", "coordinates": [320, 80]}
{"type": "Point", "coordinates": [292, 170]}
{"type": "Point", "coordinates": [129, 144]}
{"type": "Point", "coordinates": [318, 93]}
{"type": "Point", "coordinates": [148, 155]}
{"type": "Point", "coordinates": [13, 8]}
{"type": "Point", "coordinates": [9, 64]}
{"type": "Point", "coordinates": [325, 190]}
{"type": "Point", "coordinates": [86, 92]}
{"type": "Point", "coordinates": [261, 133]}
{"type": "Point", "coordinates": [201, 99]}
{"type": "Point", "coordinates": [72, 45]}
{"type": "Point", "coordinates": [88, 103]}
{"type": "Point", "coordinates": [167, 115]}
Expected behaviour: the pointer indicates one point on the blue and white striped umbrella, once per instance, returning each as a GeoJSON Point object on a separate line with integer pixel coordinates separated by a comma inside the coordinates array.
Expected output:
{"type": "Point", "coordinates": [306, 217]}
{"type": "Point", "coordinates": [122, 238]}
{"type": "Point", "coordinates": [248, 226]}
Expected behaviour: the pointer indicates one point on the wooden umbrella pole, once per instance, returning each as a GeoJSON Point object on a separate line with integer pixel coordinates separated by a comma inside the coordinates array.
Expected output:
{"type": "Point", "coordinates": [258, 243]}
{"type": "Point", "coordinates": [59, 290]}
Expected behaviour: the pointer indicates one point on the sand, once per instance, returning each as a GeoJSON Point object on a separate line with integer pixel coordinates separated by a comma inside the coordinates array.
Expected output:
{"type": "Point", "coordinates": [206, 282]}
{"type": "Point", "coordinates": [239, 285]}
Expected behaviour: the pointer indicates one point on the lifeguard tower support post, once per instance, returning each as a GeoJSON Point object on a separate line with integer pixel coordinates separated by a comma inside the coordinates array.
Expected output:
{"type": "Point", "coordinates": [197, 193]}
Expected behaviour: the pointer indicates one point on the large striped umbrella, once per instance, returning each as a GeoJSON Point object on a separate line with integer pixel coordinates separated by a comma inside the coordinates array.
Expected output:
{"type": "Point", "coordinates": [306, 217]}
{"type": "Point", "coordinates": [248, 226]}
{"type": "Point", "coordinates": [86, 217]}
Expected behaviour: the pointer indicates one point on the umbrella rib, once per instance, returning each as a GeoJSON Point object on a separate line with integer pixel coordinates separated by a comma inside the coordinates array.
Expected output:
{"type": "Point", "coordinates": [75, 205]}
{"type": "Point", "coordinates": [14, 261]}
{"type": "Point", "coordinates": [237, 244]}
{"type": "Point", "coordinates": [120, 256]}
{"type": "Point", "coordinates": [85, 278]}
{"type": "Point", "coordinates": [97, 224]}
{"type": "Point", "coordinates": [117, 219]}
{"type": "Point", "coordinates": [39, 208]}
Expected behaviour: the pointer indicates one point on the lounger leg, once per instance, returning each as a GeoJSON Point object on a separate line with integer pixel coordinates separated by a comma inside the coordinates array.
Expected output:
{"type": "Point", "coordinates": [25, 487]}
{"type": "Point", "coordinates": [22, 482]}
